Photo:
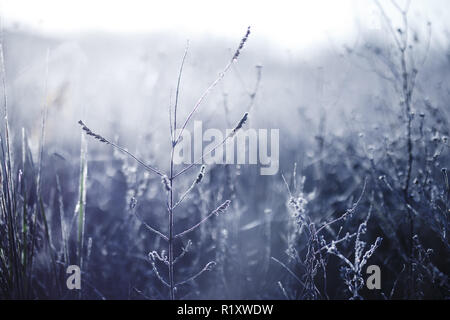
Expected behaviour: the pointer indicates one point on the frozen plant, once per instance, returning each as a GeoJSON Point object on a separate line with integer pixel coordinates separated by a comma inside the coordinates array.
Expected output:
{"type": "Point", "coordinates": [168, 180]}
{"type": "Point", "coordinates": [351, 272]}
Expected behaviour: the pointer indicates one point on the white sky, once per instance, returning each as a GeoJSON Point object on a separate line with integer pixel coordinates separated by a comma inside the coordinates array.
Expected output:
{"type": "Point", "coordinates": [296, 23]}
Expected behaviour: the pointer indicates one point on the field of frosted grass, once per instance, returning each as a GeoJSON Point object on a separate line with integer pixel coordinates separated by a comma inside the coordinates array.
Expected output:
{"type": "Point", "coordinates": [363, 178]}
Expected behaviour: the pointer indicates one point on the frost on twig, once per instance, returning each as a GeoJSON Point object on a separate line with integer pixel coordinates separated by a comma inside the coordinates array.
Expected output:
{"type": "Point", "coordinates": [197, 180]}
{"type": "Point", "coordinates": [351, 271]}
{"type": "Point", "coordinates": [152, 257]}
{"type": "Point", "coordinates": [89, 132]}
{"type": "Point", "coordinates": [208, 267]}
{"type": "Point", "coordinates": [220, 209]}
{"type": "Point", "coordinates": [150, 228]}
{"type": "Point", "coordinates": [183, 252]}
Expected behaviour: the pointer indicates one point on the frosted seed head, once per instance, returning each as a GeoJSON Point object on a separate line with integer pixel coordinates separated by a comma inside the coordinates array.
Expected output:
{"type": "Point", "coordinates": [166, 183]}
{"type": "Point", "coordinates": [222, 208]}
{"type": "Point", "coordinates": [241, 45]}
{"type": "Point", "coordinates": [200, 175]}
{"type": "Point", "coordinates": [133, 202]}
{"type": "Point", "coordinates": [210, 266]}
{"type": "Point", "coordinates": [90, 133]}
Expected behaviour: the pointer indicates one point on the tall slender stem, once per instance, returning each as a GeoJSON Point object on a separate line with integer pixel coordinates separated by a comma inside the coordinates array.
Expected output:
{"type": "Point", "coordinates": [407, 91]}
{"type": "Point", "coordinates": [171, 280]}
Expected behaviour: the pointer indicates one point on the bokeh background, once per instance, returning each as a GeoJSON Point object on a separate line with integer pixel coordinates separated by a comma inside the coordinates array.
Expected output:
{"type": "Point", "coordinates": [328, 74]}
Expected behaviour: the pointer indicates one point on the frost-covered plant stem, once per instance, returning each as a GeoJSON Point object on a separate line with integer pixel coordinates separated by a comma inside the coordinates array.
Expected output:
{"type": "Point", "coordinates": [351, 272]}
{"type": "Point", "coordinates": [168, 180]}
{"type": "Point", "coordinates": [406, 76]}
{"type": "Point", "coordinates": [171, 280]}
